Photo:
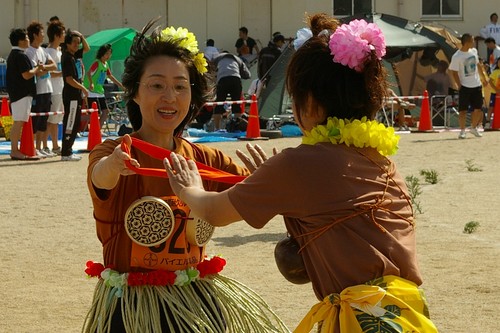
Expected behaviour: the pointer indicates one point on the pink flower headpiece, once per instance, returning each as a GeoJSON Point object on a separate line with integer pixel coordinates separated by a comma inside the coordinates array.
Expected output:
{"type": "Point", "coordinates": [351, 44]}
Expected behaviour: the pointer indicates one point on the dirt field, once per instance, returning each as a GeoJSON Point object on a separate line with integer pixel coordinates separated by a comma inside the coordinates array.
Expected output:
{"type": "Point", "coordinates": [48, 234]}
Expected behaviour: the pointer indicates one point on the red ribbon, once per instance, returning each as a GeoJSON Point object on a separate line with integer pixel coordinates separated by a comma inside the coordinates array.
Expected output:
{"type": "Point", "coordinates": [206, 172]}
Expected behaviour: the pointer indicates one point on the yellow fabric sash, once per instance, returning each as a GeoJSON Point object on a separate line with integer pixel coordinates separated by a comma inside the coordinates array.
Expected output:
{"type": "Point", "coordinates": [390, 303]}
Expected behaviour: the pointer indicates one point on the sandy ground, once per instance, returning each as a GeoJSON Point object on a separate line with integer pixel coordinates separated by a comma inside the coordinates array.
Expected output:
{"type": "Point", "coordinates": [48, 234]}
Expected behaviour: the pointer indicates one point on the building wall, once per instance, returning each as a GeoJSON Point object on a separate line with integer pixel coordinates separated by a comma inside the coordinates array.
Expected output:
{"type": "Point", "coordinates": [217, 19]}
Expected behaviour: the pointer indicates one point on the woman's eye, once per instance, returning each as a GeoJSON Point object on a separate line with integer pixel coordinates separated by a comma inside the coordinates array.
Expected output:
{"type": "Point", "coordinates": [157, 86]}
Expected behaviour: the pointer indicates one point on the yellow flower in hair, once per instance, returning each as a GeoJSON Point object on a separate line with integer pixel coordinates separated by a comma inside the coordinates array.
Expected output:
{"type": "Point", "coordinates": [186, 39]}
{"type": "Point", "coordinates": [358, 133]}
{"type": "Point", "coordinates": [201, 63]}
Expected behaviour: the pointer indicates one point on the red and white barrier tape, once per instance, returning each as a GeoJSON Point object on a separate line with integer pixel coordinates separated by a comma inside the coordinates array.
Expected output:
{"type": "Point", "coordinates": [229, 102]}
{"type": "Point", "coordinates": [53, 113]}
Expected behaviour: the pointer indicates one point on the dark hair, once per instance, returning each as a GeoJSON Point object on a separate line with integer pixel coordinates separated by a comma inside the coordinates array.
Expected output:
{"type": "Point", "coordinates": [465, 38]}
{"type": "Point", "coordinates": [244, 30]}
{"type": "Point", "coordinates": [54, 29]}
{"type": "Point", "coordinates": [17, 35]}
{"type": "Point", "coordinates": [341, 91]}
{"type": "Point", "coordinates": [54, 18]}
{"type": "Point", "coordinates": [142, 50]}
{"type": "Point", "coordinates": [34, 28]}
{"type": "Point", "coordinates": [102, 50]}
{"type": "Point", "coordinates": [493, 14]}
{"type": "Point", "coordinates": [278, 38]}
{"type": "Point", "coordinates": [442, 66]}
{"type": "Point", "coordinates": [490, 40]}
{"type": "Point", "coordinates": [68, 39]}
{"type": "Point", "coordinates": [210, 42]}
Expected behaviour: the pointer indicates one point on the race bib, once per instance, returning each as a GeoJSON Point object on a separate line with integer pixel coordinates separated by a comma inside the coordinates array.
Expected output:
{"type": "Point", "coordinates": [175, 252]}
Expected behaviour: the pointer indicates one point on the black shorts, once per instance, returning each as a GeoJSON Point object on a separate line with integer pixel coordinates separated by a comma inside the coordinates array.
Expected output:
{"type": "Point", "coordinates": [101, 102]}
{"type": "Point", "coordinates": [470, 97]}
{"type": "Point", "coordinates": [41, 103]}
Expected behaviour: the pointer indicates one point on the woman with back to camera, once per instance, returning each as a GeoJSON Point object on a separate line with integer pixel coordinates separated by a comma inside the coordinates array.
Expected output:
{"type": "Point", "coordinates": [342, 199]}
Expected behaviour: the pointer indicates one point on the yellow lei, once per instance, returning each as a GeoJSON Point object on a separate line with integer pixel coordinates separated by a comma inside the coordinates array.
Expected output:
{"type": "Point", "coordinates": [359, 133]}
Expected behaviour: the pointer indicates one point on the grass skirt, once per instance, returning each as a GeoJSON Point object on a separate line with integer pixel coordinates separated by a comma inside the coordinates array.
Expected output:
{"type": "Point", "coordinates": [219, 304]}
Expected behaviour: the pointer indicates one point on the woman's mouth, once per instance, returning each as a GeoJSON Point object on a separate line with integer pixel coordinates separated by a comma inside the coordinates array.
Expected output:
{"type": "Point", "coordinates": [167, 112]}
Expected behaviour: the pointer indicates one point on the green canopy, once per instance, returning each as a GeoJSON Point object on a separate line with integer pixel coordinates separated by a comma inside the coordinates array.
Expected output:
{"type": "Point", "coordinates": [120, 40]}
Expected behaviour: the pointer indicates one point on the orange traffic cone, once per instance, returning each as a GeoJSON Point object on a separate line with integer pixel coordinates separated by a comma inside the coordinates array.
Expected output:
{"type": "Point", "coordinates": [27, 146]}
{"type": "Point", "coordinates": [496, 114]}
{"type": "Point", "coordinates": [95, 136]}
{"type": "Point", "coordinates": [5, 108]}
{"type": "Point", "coordinates": [253, 126]}
{"type": "Point", "coordinates": [425, 123]}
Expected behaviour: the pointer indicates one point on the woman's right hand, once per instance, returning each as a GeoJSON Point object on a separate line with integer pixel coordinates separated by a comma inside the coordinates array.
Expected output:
{"type": "Point", "coordinates": [118, 158]}
{"type": "Point", "coordinates": [109, 169]}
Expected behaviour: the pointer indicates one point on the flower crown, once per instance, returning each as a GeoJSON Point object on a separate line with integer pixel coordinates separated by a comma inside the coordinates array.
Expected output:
{"type": "Point", "coordinates": [186, 40]}
{"type": "Point", "coordinates": [351, 44]}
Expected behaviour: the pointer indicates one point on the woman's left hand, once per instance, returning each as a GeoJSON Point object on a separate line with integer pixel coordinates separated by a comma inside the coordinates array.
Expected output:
{"type": "Point", "coordinates": [259, 156]}
{"type": "Point", "coordinates": [182, 174]}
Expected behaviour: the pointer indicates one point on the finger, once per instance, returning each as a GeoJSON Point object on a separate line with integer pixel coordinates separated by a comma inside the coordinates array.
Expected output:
{"type": "Point", "coordinates": [261, 152]}
{"type": "Point", "coordinates": [275, 151]}
{"type": "Point", "coordinates": [246, 160]}
{"type": "Point", "coordinates": [256, 155]}
{"type": "Point", "coordinates": [168, 167]}
{"type": "Point", "coordinates": [192, 165]}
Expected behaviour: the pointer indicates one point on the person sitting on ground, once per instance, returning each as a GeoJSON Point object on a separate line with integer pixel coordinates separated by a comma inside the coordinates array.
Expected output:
{"type": "Point", "coordinates": [344, 203]}
{"type": "Point", "coordinates": [396, 103]}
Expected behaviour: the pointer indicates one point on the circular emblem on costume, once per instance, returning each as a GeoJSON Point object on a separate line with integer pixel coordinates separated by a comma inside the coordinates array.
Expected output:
{"type": "Point", "coordinates": [198, 231]}
{"type": "Point", "coordinates": [149, 221]}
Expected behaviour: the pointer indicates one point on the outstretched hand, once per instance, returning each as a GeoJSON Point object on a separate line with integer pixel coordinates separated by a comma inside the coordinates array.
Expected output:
{"type": "Point", "coordinates": [118, 158]}
{"type": "Point", "coordinates": [258, 155]}
{"type": "Point", "coordinates": [182, 174]}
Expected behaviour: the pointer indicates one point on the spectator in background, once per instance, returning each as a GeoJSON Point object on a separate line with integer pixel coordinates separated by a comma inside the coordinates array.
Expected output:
{"type": "Point", "coordinates": [269, 55]}
{"type": "Point", "coordinates": [491, 30]}
{"type": "Point", "coordinates": [439, 83]}
{"type": "Point", "coordinates": [245, 46]}
{"type": "Point", "coordinates": [21, 88]}
{"type": "Point", "coordinates": [39, 56]}
{"type": "Point", "coordinates": [468, 77]}
{"type": "Point", "coordinates": [230, 70]}
{"type": "Point", "coordinates": [56, 32]}
{"type": "Point", "coordinates": [72, 70]}
{"type": "Point", "coordinates": [211, 51]}
{"type": "Point", "coordinates": [495, 84]}
{"type": "Point", "coordinates": [97, 74]}
{"type": "Point", "coordinates": [493, 51]}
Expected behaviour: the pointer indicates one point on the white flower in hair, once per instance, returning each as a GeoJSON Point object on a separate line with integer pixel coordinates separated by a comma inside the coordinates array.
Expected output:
{"type": "Point", "coordinates": [302, 36]}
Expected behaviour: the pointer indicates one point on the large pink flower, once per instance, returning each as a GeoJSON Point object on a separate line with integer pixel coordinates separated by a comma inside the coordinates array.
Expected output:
{"type": "Point", "coordinates": [351, 44]}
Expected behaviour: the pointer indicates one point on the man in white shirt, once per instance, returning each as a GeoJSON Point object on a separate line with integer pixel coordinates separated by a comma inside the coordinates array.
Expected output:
{"type": "Point", "coordinates": [491, 30]}
{"type": "Point", "coordinates": [494, 51]}
{"type": "Point", "coordinates": [41, 102]}
{"type": "Point", "coordinates": [464, 67]}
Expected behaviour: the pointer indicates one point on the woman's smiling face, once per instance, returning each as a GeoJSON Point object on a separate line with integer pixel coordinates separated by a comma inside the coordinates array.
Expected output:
{"type": "Point", "coordinates": [164, 95]}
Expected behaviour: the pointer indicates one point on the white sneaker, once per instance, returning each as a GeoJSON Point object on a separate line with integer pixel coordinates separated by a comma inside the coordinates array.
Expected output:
{"type": "Point", "coordinates": [47, 152]}
{"type": "Point", "coordinates": [40, 153]}
{"type": "Point", "coordinates": [476, 133]}
{"type": "Point", "coordinates": [57, 151]}
{"type": "Point", "coordinates": [71, 157]}
{"type": "Point", "coordinates": [461, 135]}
